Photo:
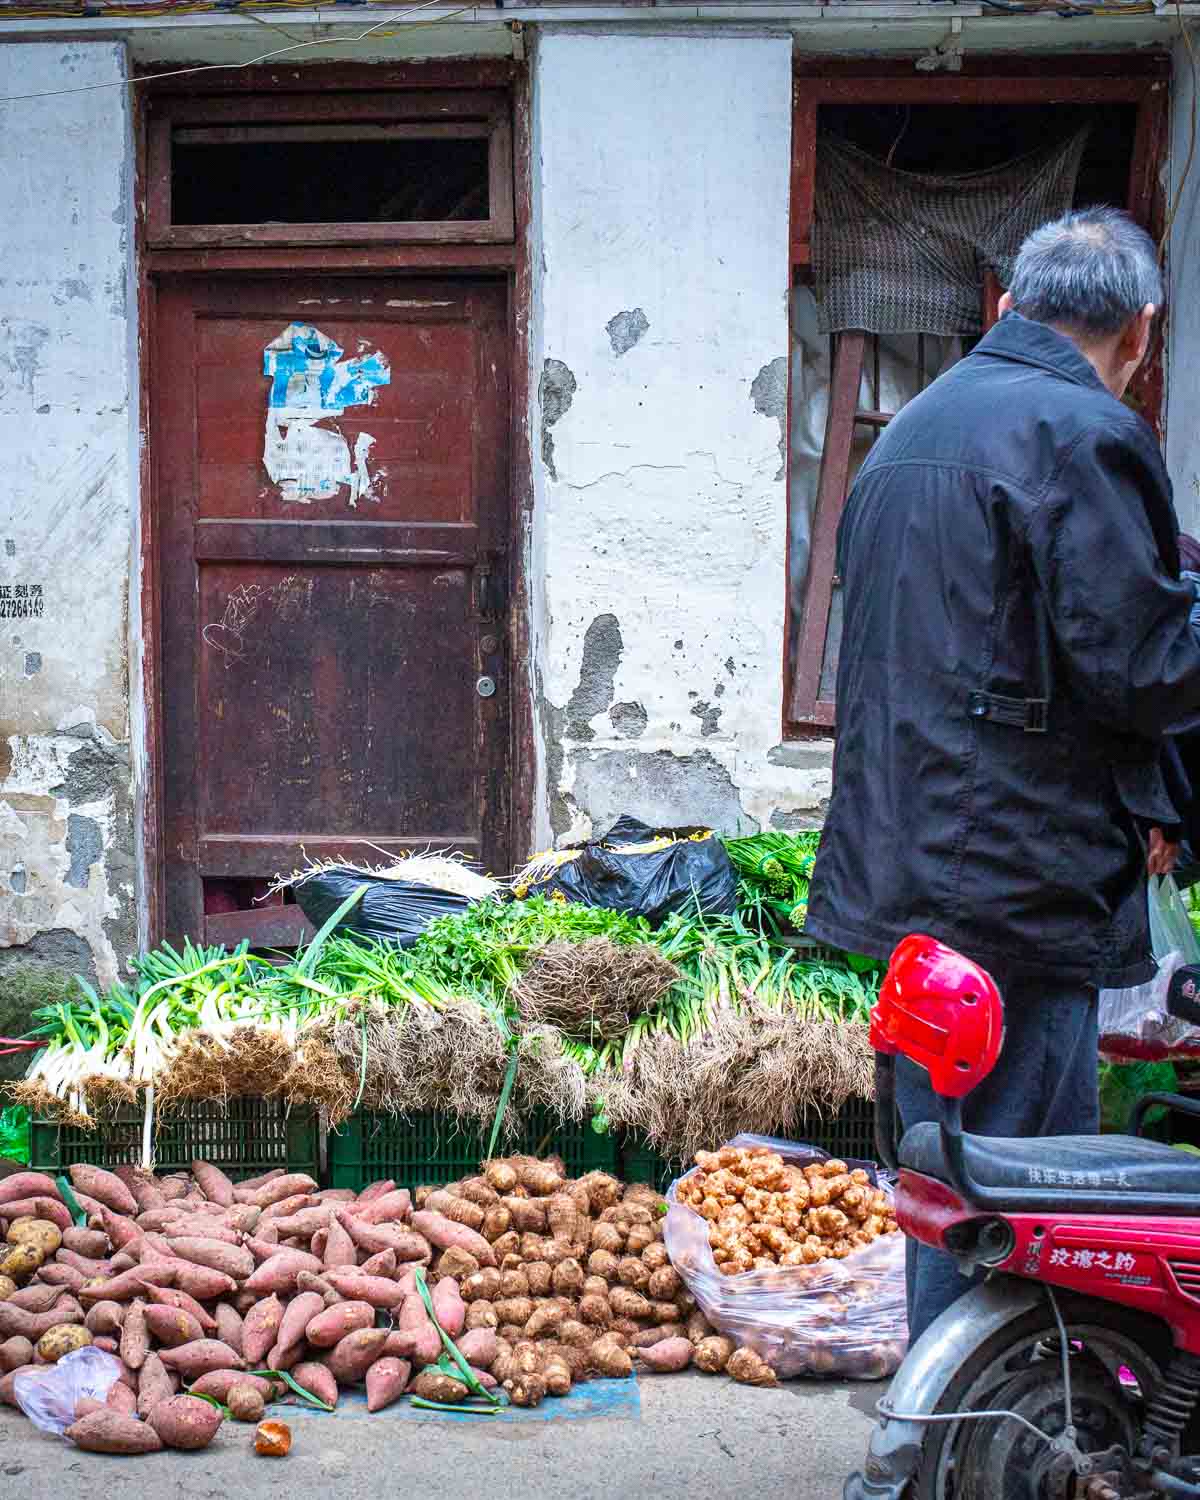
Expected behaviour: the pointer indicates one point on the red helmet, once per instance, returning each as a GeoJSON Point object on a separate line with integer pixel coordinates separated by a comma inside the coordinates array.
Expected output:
{"type": "Point", "coordinates": [943, 1012]}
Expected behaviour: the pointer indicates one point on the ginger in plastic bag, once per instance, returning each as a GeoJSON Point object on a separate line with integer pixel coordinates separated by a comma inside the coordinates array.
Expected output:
{"type": "Point", "coordinates": [48, 1397]}
{"type": "Point", "coordinates": [817, 1290]}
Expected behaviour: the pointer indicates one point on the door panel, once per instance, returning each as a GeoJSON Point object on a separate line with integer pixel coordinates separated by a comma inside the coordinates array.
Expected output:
{"type": "Point", "coordinates": [333, 520]}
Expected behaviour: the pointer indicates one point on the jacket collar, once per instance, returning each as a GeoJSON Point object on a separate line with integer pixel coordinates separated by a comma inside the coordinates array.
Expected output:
{"type": "Point", "coordinates": [1029, 343]}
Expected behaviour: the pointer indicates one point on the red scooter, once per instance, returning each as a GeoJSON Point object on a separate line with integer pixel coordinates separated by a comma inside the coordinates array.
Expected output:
{"type": "Point", "coordinates": [1073, 1371]}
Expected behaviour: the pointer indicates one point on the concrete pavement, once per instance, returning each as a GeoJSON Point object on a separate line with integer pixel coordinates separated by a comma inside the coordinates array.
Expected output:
{"type": "Point", "coordinates": [695, 1436]}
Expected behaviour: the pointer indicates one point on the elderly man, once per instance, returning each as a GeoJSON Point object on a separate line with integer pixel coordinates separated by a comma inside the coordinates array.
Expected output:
{"type": "Point", "coordinates": [1017, 639]}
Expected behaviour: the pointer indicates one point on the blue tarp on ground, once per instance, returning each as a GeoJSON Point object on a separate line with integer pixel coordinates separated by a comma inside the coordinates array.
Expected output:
{"type": "Point", "coordinates": [611, 1399]}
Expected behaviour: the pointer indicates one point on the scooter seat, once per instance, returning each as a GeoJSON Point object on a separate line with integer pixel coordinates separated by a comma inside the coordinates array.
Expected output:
{"type": "Point", "coordinates": [1062, 1164]}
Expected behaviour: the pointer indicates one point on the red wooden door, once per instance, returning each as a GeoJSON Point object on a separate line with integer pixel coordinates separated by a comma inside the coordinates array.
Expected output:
{"type": "Point", "coordinates": [332, 525]}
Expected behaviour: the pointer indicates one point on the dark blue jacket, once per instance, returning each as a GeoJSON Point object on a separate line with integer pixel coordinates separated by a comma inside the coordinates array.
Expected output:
{"type": "Point", "coordinates": [1015, 502]}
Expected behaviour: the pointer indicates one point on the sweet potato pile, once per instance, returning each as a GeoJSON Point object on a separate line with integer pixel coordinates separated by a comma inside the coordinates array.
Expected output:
{"type": "Point", "coordinates": [764, 1213]}
{"type": "Point", "coordinates": [194, 1283]}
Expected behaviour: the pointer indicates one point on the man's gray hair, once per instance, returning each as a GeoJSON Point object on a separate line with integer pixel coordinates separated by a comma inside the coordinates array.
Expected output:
{"type": "Point", "coordinates": [1090, 271]}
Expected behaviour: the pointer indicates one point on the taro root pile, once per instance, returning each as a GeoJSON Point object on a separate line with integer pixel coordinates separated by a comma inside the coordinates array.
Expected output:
{"type": "Point", "coordinates": [763, 1212]}
{"type": "Point", "coordinates": [195, 1283]}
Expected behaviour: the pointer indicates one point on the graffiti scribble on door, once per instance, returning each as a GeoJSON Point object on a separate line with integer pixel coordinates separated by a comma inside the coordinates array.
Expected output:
{"type": "Point", "coordinates": [304, 450]}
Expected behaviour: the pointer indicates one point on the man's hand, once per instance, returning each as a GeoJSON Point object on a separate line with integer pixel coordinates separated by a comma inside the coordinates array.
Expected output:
{"type": "Point", "coordinates": [1162, 856]}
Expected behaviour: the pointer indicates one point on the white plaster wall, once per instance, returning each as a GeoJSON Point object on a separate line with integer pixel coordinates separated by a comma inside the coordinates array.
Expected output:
{"type": "Point", "coordinates": [1183, 329]}
{"type": "Point", "coordinates": [69, 439]}
{"type": "Point", "coordinates": [661, 187]}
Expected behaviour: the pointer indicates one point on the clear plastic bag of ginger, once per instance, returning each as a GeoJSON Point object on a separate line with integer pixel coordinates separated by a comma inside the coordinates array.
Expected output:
{"type": "Point", "coordinates": [837, 1311]}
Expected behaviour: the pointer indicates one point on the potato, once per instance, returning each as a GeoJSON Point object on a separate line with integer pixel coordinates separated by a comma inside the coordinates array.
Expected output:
{"type": "Point", "coordinates": [665, 1284]}
{"type": "Point", "coordinates": [109, 1431]}
{"type": "Point", "coordinates": [185, 1422]}
{"type": "Point", "coordinates": [7, 1287]}
{"type": "Point", "coordinates": [568, 1278]}
{"type": "Point", "coordinates": [626, 1303]}
{"type": "Point", "coordinates": [712, 1353]}
{"type": "Point", "coordinates": [483, 1285]}
{"type": "Point", "coordinates": [65, 1338]}
{"type": "Point", "coordinates": [526, 1390]}
{"type": "Point", "coordinates": [749, 1369]}
{"type": "Point", "coordinates": [431, 1385]}
{"type": "Point", "coordinates": [595, 1310]}
{"type": "Point", "coordinates": [514, 1283]}
{"type": "Point", "coordinates": [39, 1233]}
{"type": "Point", "coordinates": [603, 1263]}
{"type": "Point", "coordinates": [19, 1262]}
{"type": "Point", "coordinates": [557, 1375]}
{"type": "Point", "coordinates": [609, 1359]}
{"type": "Point", "coordinates": [481, 1315]}
{"type": "Point", "coordinates": [245, 1403]}
{"type": "Point", "coordinates": [516, 1310]}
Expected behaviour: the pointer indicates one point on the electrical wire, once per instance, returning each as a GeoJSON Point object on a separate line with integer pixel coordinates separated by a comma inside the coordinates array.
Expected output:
{"type": "Point", "coordinates": [250, 62]}
{"type": "Point", "coordinates": [1191, 151]}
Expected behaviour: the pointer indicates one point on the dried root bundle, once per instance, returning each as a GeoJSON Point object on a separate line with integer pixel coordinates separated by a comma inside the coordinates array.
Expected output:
{"type": "Point", "coordinates": [594, 989]}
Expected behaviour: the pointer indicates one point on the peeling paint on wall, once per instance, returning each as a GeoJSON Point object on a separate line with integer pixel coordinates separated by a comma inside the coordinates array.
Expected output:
{"type": "Point", "coordinates": [659, 788]}
{"type": "Point", "coordinates": [626, 329]}
{"type": "Point", "coordinates": [768, 391]}
{"type": "Point", "coordinates": [556, 391]}
{"type": "Point", "coordinates": [68, 895]}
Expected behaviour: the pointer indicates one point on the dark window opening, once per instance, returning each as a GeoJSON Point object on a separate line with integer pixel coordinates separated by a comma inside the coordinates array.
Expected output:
{"type": "Point", "coordinates": [345, 180]}
{"type": "Point", "coordinates": [845, 406]}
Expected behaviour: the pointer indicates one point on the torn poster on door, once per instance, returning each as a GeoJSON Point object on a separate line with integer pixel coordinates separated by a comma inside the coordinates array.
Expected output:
{"type": "Point", "coordinates": [311, 384]}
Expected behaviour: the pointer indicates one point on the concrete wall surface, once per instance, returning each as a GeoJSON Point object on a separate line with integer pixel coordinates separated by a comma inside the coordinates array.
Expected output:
{"type": "Point", "coordinates": [660, 343]}
{"type": "Point", "coordinates": [1183, 326]}
{"type": "Point", "coordinates": [68, 434]}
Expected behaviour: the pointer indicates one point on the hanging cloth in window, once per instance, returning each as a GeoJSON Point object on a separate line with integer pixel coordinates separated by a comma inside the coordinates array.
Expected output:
{"type": "Point", "coordinates": [905, 252]}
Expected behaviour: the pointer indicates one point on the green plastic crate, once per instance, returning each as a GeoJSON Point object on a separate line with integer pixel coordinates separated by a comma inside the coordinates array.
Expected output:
{"type": "Point", "coordinates": [849, 1133]}
{"type": "Point", "coordinates": [433, 1148]}
{"type": "Point", "coordinates": [244, 1138]}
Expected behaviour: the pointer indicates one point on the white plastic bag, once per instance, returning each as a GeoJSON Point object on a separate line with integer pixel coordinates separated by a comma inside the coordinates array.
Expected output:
{"type": "Point", "coordinates": [1134, 1022]}
{"type": "Point", "coordinates": [48, 1397]}
{"type": "Point", "coordinates": [836, 1318]}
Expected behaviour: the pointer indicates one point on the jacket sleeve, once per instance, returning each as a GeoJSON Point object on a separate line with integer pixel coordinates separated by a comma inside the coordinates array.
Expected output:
{"type": "Point", "coordinates": [1121, 625]}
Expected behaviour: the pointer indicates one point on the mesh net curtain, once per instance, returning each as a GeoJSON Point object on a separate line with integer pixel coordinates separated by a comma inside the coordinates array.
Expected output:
{"type": "Point", "coordinates": [905, 252]}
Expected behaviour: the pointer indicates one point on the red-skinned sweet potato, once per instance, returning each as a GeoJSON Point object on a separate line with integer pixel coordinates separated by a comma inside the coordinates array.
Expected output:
{"type": "Point", "coordinates": [332, 1324]}
{"type": "Point", "coordinates": [260, 1329]}
{"type": "Point", "coordinates": [155, 1383]}
{"type": "Point", "coordinates": [318, 1379]}
{"type": "Point", "coordinates": [213, 1183]}
{"type": "Point", "coordinates": [185, 1422]}
{"type": "Point", "coordinates": [279, 1274]}
{"type": "Point", "coordinates": [109, 1431]}
{"type": "Point", "coordinates": [387, 1380]}
{"type": "Point", "coordinates": [218, 1384]}
{"type": "Point", "coordinates": [379, 1291]}
{"type": "Point", "coordinates": [445, 1234]}
{"type": "Point", "coordinates": [216, 1255]}
{"type": "Point", "coordinates": [199, 1357]}
{"type": "Point", "coordinates": [105, 1186]}
{"type": "Point", "coordinates": [298, 1314]}
{"type": "Point", "coordinates": [351, 1357]}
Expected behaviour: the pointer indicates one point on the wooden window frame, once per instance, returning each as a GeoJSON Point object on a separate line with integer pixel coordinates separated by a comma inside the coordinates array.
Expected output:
{"type": "Point", "coordinates": [1139, 80]}
{"type": "Point", "coordinates": [478, 113]}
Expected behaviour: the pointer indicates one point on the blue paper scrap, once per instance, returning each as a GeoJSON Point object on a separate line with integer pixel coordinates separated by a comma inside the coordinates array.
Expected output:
{"type": "Point", "coordinates": [608, 1399]}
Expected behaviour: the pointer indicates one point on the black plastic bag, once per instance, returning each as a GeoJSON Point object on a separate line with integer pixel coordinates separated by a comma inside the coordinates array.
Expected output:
{"type": "Point", "coordinates": [391, 911]}
{"type": "Point", "coordinates": [689, 872]}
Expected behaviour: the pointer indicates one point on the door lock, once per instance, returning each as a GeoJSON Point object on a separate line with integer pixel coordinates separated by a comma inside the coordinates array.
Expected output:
{"type": "Point", "coordinates": [486, 687]}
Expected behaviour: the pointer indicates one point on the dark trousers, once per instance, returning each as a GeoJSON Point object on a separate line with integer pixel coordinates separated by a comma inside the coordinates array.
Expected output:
{"type": "Point", "coordinates": [1045, 1083]}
